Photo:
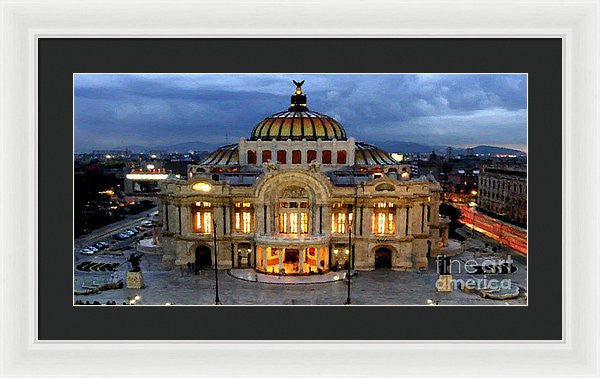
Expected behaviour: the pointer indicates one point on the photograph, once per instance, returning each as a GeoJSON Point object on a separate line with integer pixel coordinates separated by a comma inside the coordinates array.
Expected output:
{"type": "Point", "coordinates": [300, 189]}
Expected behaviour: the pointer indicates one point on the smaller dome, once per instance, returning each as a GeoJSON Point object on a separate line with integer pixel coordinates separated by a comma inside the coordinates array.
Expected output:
{"type": "Point", "coordinates": [367, 154]}
{"type": "Point", "coordinates": [226, 155]}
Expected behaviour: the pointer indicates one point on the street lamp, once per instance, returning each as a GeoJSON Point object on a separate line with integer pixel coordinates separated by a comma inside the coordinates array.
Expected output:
{"type": "Point", "coordinates": [217, 301]}
{"type": "Point", "coordinates": [350, 249]}
{"type": "Point", "coordinates": [349, 257]}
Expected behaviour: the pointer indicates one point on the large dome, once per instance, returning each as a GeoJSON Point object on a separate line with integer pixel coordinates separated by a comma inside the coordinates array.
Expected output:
{"type": "Point", "coordinates": [298, 123]}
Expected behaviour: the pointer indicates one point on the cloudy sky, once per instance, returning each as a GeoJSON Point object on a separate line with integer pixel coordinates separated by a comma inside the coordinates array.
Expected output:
{"type": "Point", "coordinates": [434, 109]}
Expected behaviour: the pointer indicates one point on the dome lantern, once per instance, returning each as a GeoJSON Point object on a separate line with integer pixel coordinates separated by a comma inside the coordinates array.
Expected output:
{"type": "Point", "coordinates": [298, 100]}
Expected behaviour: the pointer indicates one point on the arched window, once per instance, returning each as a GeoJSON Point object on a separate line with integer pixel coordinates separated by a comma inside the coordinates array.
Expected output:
{"type": "Point", "coordinates": [266, 156]}
{"type": "Point", "coordinates": [251, 157]}
{"type": "Point", "coordinates": [326, 157]}
{"type": "Point", "coordinates": [296, 157]}
{"type": "Point", "coordinates": [281, 157]}
{"type": "Point", "coordinates": [341, 157]}
{"type": "Point", "coordinates": [311, 155]}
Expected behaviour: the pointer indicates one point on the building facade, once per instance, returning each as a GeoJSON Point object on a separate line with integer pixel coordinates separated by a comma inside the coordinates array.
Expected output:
{"type": "Point", "coordinates": [287, 200]}
{"type": "Point", "coordinates": [503, 191]}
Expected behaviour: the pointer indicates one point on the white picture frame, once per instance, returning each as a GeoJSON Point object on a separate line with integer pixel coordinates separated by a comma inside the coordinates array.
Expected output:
{"type": "Point", "coordinates": [577, 23]}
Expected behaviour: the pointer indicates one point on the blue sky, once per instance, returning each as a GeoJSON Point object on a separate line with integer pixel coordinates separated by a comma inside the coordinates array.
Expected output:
{"type": "Point", "coordinates": [433, 109]}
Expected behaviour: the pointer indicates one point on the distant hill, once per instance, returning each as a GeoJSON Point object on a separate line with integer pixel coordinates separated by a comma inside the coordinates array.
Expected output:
{"type": "Point", "coordinates": [416, 148]}
{"type": "Point", "coordinates": [497, 150]}
{"type": "Point", "coordinates": [389, 146]}
{"type": "Point", "coordinates": [179, 147]}
{"type": "Point", "coordinates": [405, 147]}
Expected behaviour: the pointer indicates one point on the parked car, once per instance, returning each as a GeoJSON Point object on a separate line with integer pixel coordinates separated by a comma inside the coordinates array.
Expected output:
{"type": "Point", "coordinates": [86, 251]}
{"type": "Point", "coordinates": [139, 228]}
{"type": "Point", "coordinates": [147, 224]}
{"type": "Point", "coordinates": [105, 244]}
{"type": "Point", "coordinates": [100, 245]}
{"type": "Point", "coordinates": [134, 231]}
{"type": "Point", "coordinates": [120, 236]}
{"type": "Point", "coordinates": [93, 249]}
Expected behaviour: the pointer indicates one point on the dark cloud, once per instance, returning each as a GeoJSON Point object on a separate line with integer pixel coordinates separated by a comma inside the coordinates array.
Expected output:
{"type": "Point", "coordinates": [114, 109]}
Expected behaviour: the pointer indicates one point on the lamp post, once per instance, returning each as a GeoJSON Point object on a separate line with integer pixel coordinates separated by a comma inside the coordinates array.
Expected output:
{"type": "Point", "coordinates": [217, 301]}
{"type": "Point", "coordinates": [348, 301]}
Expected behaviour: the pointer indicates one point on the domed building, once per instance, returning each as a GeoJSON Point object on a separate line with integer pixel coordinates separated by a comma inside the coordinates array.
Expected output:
{"type": "Point", "coordinates": [284, 200]}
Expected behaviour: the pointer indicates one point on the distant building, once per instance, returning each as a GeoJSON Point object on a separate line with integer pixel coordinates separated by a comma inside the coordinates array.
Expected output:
{"type": "Point", "coordinates": [503, 191]}
{"type": "Point", "coordinates": [141, 180]}
{"type": "Point", "coordinates": [449, 153]}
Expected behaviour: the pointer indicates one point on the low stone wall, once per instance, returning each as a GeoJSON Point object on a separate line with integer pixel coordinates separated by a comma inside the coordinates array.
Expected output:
{"type": "Point", "coordinates": [146, 246]}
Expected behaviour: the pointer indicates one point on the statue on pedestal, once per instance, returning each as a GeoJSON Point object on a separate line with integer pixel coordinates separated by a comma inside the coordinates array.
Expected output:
{"type": "Point", "coordinates": [135, 259]}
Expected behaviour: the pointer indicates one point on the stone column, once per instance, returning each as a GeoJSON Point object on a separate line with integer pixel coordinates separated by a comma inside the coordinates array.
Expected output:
{"type": "Point", "coordinates": [318, 257]}
{"type": "Point", "coordinates": [326, 220]}
{"type": "Point", "coordinates": [302, 256]}
{"type": "Point", "coordinates": [185, 220]}
{"type": "Point", "coordinates": [400, 219]}
{"type": "Point", "coordinates": [280, 256]}
{"type": "Point", "coordinates": [264, 257]}
{"type": "Point", "coordinates": [367, 213]}
{"type": "Point", "coordinates": [218, 214]}
{"type": "Point", "coordinates": [404, 261]}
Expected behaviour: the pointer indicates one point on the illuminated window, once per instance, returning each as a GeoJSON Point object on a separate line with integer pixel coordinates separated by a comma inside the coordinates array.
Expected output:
{"type": "Point", "coordinates": [383, 218]}
{"type": "Point", "coordinates": [303, 223]}
{"type": "Point", "coordinates": [283, 222]}
{"type": "Point", "coordinates": [242, 218]}
{"type": "Point", "coordinates": [341, 215]}
{"type": "Point", "coordinates": [294, 223]}
{"type": "Point", "coordinates": [293, 217]}
{"type": "Point", "coordinates": [247, 222]}
{"type": "Point", "coordinates": [202, 216]}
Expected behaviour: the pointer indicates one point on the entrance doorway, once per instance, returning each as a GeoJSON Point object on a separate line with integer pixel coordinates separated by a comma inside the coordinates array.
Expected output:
{"type": "Point", "coordinates": [383, 258]}
{"type": "Point", "coordinates": [291, 256]}
{"type": "Point", "coordinates": [244, 254]}
{"type": "Point", "coordinates": [203, 257]}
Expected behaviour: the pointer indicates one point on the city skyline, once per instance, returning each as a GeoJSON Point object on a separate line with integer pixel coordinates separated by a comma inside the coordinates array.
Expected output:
{"type": "Point", "coordinates": [459, 110]}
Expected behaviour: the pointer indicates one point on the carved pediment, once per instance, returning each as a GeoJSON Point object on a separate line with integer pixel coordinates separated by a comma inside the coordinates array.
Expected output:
{"type": "Point", "coordinates": [385, 187]}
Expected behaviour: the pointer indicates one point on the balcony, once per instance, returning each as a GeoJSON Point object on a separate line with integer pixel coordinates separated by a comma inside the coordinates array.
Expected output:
{"type": "Point", "coordinates": [292, 239]}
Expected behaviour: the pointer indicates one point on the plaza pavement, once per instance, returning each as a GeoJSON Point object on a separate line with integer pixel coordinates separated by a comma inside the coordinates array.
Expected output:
{"type": "Point", "coordinates": [380, 287]}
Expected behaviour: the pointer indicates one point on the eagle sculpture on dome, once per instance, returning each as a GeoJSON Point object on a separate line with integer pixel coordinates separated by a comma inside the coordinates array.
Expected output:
{"type": "Point", "coordinates": [298, 86]}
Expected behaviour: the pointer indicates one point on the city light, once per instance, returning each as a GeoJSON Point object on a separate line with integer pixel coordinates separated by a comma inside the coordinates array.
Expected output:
{"type": "Point", "coordinates": [397, 157]}
{"type": "Point", "coordinates": [146, 176]}
{"type": "Point", "coordinates": [107, 192]}
{"type": "Point", "coordinates": [202, 187]}
{"type": "Point", "coordinates": [150, 166]}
